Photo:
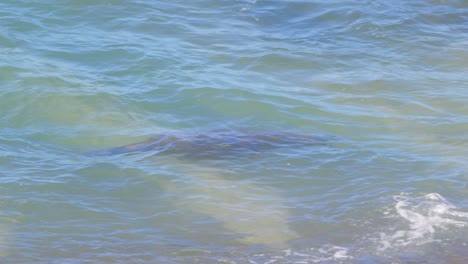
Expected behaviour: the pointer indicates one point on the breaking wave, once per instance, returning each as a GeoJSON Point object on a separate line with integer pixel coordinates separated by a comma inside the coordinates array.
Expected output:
{"type": "Point", "coordinates": [422, 218]}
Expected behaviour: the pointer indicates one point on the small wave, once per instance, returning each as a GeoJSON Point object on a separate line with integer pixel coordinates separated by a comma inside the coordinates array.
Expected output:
{"type": "Point", "coordinates": [423, 216]}
{"type": "Point", "coordinates": [325, 254]}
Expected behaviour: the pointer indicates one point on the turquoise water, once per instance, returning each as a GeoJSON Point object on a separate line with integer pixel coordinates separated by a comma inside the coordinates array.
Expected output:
{"type": "Point", "coordinates": [383, 82]}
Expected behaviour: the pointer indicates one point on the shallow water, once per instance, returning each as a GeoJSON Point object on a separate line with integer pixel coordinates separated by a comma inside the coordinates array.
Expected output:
{"type": "Point", "coordinates": [384, 81]}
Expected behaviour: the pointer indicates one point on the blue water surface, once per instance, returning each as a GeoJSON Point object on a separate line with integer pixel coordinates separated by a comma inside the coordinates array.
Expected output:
{"type": "Point", "coordinates": [358, 111]}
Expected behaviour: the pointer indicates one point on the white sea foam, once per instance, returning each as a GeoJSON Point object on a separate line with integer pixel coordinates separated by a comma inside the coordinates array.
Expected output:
{"type": "Point", "coordinates": [326, 253]}
{"type": "Point", "coordinates": [423, 217]}
{"type": "Point", "coordinates": [414, 221]}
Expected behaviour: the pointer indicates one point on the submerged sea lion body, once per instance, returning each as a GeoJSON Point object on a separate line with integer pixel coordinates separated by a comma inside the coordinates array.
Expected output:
{"type": "Point", "coordinates": [249, 212]}
{"type": "Point", "coordinates": [218, 143]}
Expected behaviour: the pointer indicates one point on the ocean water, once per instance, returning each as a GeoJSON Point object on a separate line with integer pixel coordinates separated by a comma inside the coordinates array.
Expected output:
{"type": "Point", "coordinates": [383, 84]}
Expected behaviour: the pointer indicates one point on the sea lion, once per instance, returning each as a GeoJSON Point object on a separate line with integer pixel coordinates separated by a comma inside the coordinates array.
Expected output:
{"type": "Point", "coordinates": [218, 143]}
{"type": "Point", "coordinates": [249, 211]}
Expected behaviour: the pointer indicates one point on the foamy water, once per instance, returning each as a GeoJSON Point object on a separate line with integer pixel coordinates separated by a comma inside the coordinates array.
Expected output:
{"type": "Point", "coordinates": [425, 217]}
{"type": "Point", "coordinates": [416, 225]}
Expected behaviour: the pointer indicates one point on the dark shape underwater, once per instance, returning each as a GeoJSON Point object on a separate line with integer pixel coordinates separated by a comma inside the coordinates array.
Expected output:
{"type": "Point", "coordinates": [218, 144]}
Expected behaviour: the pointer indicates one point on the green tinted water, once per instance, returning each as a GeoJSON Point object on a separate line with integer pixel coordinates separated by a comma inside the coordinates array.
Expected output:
{"type": "Point", "coordinates": [385, 83]}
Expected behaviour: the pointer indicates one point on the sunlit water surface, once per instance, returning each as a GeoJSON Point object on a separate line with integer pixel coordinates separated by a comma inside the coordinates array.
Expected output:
{"type": "Point", "coordinates": [384, 83]}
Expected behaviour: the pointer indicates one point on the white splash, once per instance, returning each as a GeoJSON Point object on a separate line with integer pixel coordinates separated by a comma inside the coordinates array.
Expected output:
{"type": "Point", "coordinates": [326, 253]}
{"type": "Point", "coordinates": [425, 215]}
